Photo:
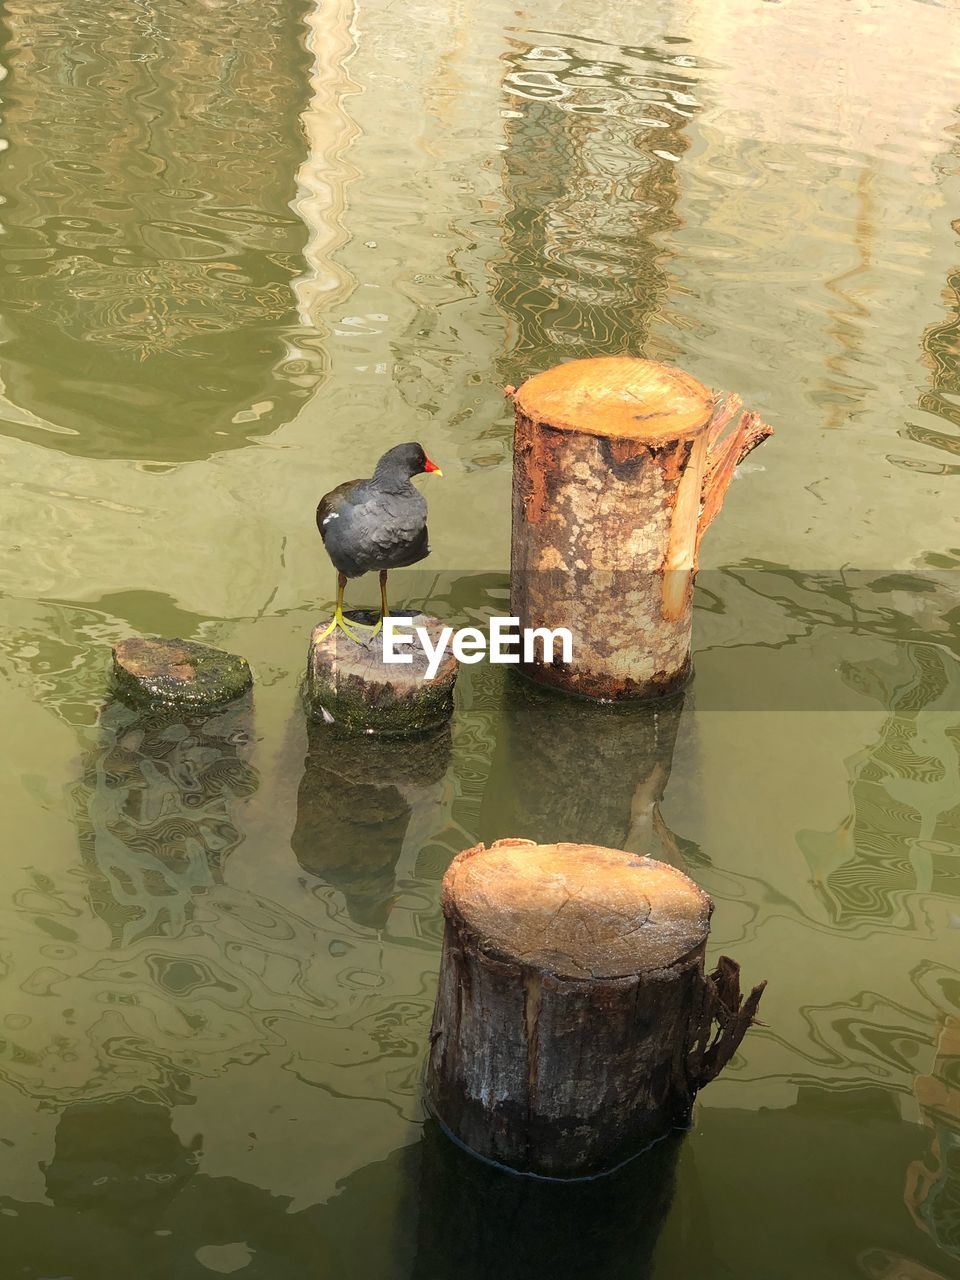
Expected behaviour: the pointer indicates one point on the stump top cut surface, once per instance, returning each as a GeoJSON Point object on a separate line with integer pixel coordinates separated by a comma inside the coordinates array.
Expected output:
{"type": "Point", "coordinates": [619, 397]}
{"type": "Point", "coordinates": [577, 910]}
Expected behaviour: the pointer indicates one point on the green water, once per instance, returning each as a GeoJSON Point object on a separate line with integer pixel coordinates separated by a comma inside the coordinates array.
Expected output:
{"type": "Point", "coordinates": [244, 248]}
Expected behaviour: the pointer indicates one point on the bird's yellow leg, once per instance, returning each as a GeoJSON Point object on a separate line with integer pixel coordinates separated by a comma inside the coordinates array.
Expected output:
{"type": "Point", "coordinates": [384, 607]}
{"type": "Point", "coordinates": [338, 621]}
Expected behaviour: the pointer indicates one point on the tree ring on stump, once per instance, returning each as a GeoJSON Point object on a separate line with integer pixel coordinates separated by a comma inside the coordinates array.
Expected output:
{"type": "Point", "coordinates": [179, 673]}
{"type": "Point", "coordinates": [578, 910]}
{"type": "Point", "coordinates": [619, 397]}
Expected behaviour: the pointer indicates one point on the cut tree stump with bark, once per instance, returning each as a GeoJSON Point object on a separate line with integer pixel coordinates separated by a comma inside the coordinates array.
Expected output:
{"type": "Point", "coordinates": [620, 465]}
{"type": "Point", "coordinates": [574, 1021]}
{"type": "Point", "coordinates": [349, 684]}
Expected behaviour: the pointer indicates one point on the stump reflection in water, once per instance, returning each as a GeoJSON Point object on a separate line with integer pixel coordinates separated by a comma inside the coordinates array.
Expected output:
{"type": "Point", "coordinates": [159, 811]}
{"type": "Point", "coordinates": [357, 807]}
{"type": "Point", "coordinates": [571, 770]}
{"type": "Point", "coordinates": [480, 1221]}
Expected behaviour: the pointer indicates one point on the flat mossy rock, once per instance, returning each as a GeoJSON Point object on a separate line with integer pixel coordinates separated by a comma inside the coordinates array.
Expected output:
{"type": "Point", "coordinates": [181, 673]}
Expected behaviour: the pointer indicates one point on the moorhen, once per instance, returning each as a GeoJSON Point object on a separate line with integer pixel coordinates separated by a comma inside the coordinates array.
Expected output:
{"type": "Point", "coordinates": [380, 523]}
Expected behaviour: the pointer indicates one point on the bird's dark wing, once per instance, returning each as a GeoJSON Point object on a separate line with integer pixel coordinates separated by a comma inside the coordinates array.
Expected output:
{"type": "Point", "coordinates": [417, 549]}
{"type": "Point", "coordinates": [394, 530]}
{"type": "Point", "coordinates": [330, 503]}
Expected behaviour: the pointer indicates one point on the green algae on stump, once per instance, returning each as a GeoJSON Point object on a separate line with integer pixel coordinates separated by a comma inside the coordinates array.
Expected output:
{"type": "Point", "coordinates": [350, 684]}
{"type": "Point", "coordinates": [574, 1021]}
{"type": "Point", "coordinates": [182, 673]}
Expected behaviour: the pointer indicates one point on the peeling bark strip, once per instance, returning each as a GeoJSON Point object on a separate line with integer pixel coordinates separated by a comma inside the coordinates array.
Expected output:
{"type": "Point", "coordinates": [574, 1021]}
{"type": "Point", "coordinates": [619, 467]}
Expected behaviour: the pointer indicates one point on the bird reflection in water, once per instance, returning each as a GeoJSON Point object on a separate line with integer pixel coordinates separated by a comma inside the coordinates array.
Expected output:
{"type": "Point", "coordinates": [159, 811]}
{"type": "Point", "coordinates": [362, 802]}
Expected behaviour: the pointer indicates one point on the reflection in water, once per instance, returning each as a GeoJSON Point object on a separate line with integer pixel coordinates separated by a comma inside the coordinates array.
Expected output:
{"type": "Point", "coordinates": [157, 812]}
{"type": "Point", "coordinates": [899, 839]}
{"type": "Point", "coordinates": [136, 995]}
{"type": "Point", "coordinates": [117, 1159]}
{"type": "Point", "coordinates": [152, 967]}
{"type": "Point", "coordinates": [324, 174]}
{"type": "Point", "coordinates": [839, 385]}
{"type": "Point", "coordinates": [120, 1180]}
{"type": "Point", "coordinates": [570, 770]}
{"type": "Point", "coordinates": [56, 652]}
{"type": "Point", "coordinates": [359, 799]}
{"type": "Point", "coordinates": [592, 178]}
{"type": "Point", "coordinates": [157, 288]}
{"type": "Point", "coordinates": [148, 248]}
{"type": "Point", "coordinates": [127, 1200]}
{"type": "Point", "coordinates": [477, 1222]}
{"type": "Point", "coordinates": [128, 1196]}
{"type": "Point", "coordinates": [932, 1190]}
{"type": "Point", "coordinates": [803, 629]}
{"type": "Point", "coordinates": [812, 1189]}
{"type": "Point", "coordinates": [941, 347]}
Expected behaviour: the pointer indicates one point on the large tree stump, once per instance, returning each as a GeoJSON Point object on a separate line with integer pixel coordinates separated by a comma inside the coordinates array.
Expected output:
{"type": "Point", "coordinates": [574, 1022]}
{"type": "Point", "coordinates": [619, 467]}
{"type": "Point", "coordinates": [349, 683]}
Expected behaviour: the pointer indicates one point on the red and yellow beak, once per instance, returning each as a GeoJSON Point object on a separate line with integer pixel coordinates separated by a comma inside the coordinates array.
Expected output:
{"type": "Point", "coordinates": [429, 466]}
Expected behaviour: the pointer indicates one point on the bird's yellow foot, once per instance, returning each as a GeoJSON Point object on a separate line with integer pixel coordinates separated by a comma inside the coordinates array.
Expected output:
{"type": "Point", "coordinates": [339, 623]}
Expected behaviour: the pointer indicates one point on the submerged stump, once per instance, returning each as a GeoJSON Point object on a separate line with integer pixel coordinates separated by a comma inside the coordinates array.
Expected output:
{"type": "Point", "coordinates": [350, 684]}
{"type": "Point", "coordinates": [574, 1020]}
{"type": "Point", "coordinates": [177, 673]}
{"type": "Point", "coordinates": [619, 467]}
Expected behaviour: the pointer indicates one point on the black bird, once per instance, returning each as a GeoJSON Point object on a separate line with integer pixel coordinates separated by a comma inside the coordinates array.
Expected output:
{"type": "Point", "coordinates": [380, 523]}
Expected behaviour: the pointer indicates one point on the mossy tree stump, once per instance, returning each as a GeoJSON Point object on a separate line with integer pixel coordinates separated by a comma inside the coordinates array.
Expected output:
{"type": "Point", "coordinates": [177, 673]}
{"type": "Point", "coordinates": [574, 1021]}
{"type": "Point", "coordinates": [619, 467]}
{"type": "Point", "coordinates": [350, 684]}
